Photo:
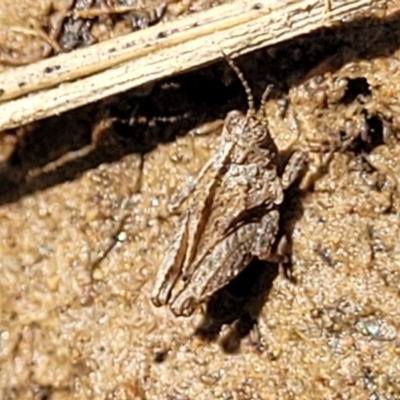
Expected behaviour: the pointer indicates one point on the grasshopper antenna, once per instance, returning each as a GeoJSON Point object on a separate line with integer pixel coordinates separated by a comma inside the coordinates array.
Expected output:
{"type": "Point", "coordinates": [266, 95]}
{"type": "Point", "coordinates": [250, 99]}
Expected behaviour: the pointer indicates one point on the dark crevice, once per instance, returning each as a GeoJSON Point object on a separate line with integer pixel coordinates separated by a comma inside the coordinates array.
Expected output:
{"type": "Point", "coordinates": [370, 137]}
{"type": "Point", "coordinates": [357, 88]}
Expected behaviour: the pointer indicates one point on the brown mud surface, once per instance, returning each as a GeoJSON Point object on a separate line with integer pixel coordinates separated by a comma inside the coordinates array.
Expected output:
{"type": "Point", "coordinates": [84, 225]}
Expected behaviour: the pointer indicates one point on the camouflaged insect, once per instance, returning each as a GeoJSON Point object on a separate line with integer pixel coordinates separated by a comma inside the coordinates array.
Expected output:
{"type": "Point", "coordinates": [232, 212]}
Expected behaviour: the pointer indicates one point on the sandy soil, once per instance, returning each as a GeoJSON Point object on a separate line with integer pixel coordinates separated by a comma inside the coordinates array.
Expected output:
{"type": "Point", "coordinates": [84, 225]}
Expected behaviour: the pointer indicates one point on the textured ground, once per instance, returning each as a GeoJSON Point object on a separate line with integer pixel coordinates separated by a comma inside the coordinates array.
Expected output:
{"type": "Point", "coordinates": [28, 27]}
{"type": "Point", "coordinates": [83, 228]}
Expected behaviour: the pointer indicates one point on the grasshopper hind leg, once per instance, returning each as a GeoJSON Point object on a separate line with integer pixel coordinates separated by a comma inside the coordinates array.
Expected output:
{"type": "Point", "coordinates": [171, 266]}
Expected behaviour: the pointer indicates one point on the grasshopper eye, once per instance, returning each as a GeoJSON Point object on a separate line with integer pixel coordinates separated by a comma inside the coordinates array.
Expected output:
{"type": "Point", "coordinates": [260, 133]}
